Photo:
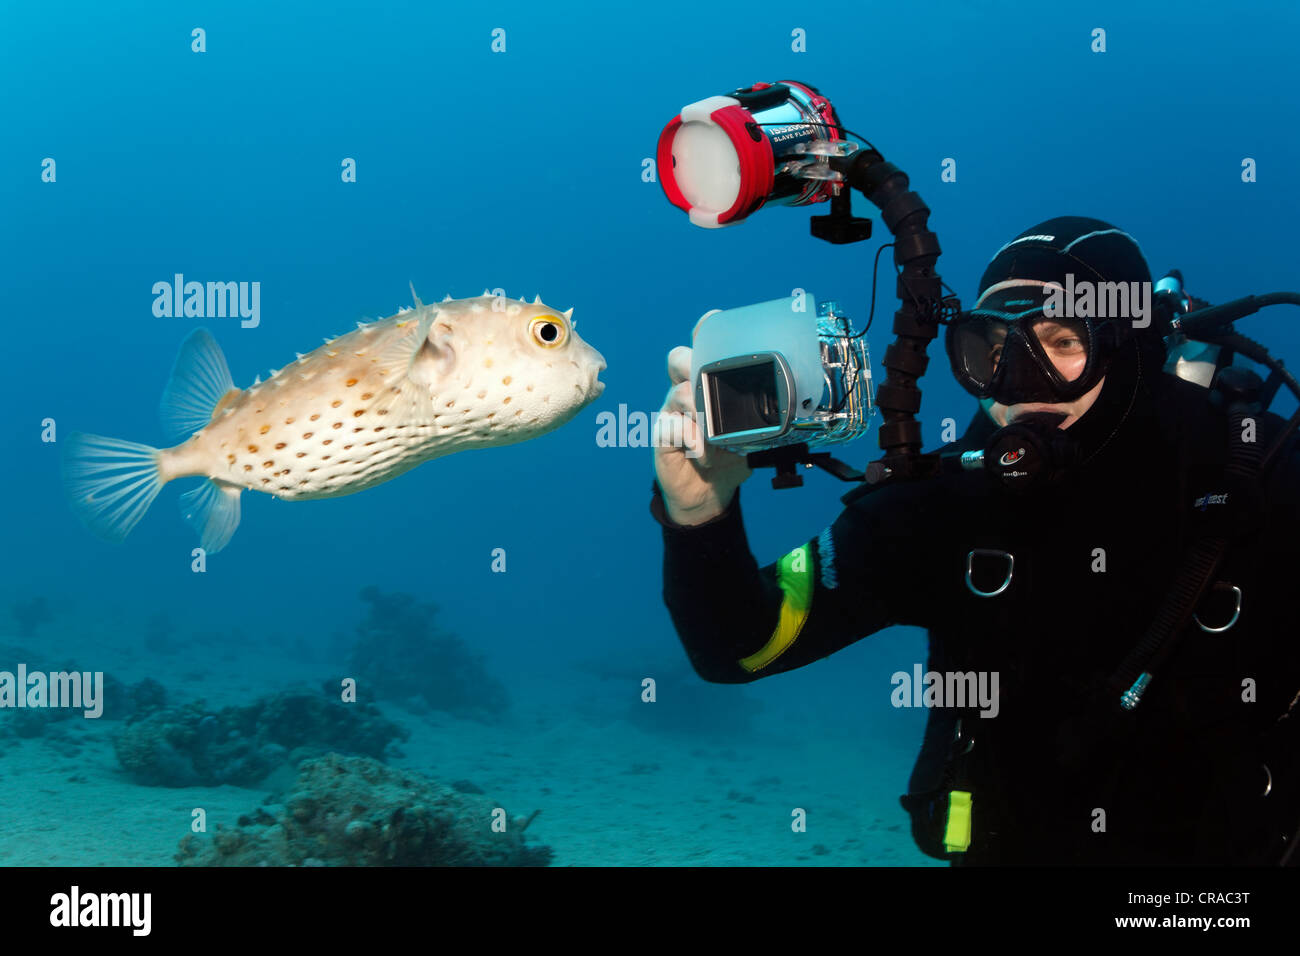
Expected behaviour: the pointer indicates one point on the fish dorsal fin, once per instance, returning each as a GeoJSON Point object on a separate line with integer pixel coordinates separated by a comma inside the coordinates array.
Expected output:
{"type": "Point", "coordinates": [200, 385]}
{"type": "Point", "coordinates": [418, 303]}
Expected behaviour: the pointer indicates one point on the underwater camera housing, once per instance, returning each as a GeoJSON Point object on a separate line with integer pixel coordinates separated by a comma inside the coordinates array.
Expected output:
{"type": "Point", "coordinates": [780, 373]}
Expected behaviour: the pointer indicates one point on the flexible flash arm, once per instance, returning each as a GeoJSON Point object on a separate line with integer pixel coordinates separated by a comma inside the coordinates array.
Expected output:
{"type": "Point", "coordinates": [916, 323]}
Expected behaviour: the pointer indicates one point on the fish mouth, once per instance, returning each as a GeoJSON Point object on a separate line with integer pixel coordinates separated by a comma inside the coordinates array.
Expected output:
{"type": "Point", "coordinates": [595, 387]}
{"type": "Point", "coordinates": [592, 389]}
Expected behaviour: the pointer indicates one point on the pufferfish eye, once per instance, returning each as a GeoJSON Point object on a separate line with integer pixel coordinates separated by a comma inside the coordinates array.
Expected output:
{"type": "Point", "coordinates": [549, 331]}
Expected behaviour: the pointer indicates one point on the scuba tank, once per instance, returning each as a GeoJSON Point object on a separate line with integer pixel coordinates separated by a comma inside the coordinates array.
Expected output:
{"type": "Point", "coordinates": [1197, 362]}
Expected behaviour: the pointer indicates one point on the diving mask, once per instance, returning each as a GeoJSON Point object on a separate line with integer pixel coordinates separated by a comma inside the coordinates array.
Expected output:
{"type": "Point", "coordinates": [1013, 354]}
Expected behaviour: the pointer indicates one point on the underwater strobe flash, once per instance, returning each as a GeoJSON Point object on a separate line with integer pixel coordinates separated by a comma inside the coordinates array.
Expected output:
{"type": "Point", "coordinates": [725, 157]}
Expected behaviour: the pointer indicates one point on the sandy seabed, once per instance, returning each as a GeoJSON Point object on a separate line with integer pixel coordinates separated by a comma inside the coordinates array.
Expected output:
{"type": "Point", "coordinates": [610, 793]}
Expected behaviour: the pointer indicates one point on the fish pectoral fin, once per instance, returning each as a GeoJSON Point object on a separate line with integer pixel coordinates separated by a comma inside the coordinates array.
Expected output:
{"type": "Point", "coordinates": [199, 386]}
{"type": "Point", "coordinates": [414, 356]}
{"type": "Point", "coordinates": [432, 362]}
{"type": "Point", "coordinates": [410, 365]}
{"type": "Point", "coordinates": [212, 509]}
{"type": "Point", "coordinates": [394, 359]}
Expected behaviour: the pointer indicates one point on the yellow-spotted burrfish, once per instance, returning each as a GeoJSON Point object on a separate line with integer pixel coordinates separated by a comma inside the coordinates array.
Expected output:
{"type": "Point", "coordinates": [361, 409]}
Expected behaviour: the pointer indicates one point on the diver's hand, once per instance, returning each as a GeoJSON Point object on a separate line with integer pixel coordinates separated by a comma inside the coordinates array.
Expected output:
{"type": "Point", "coordinates": [698, 480]}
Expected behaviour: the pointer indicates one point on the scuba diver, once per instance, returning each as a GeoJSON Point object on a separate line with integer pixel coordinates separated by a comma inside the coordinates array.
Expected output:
{"type": "Point", "coordinates": [1051, 588]}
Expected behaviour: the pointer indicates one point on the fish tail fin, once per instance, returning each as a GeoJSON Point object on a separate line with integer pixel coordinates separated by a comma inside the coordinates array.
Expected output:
{"type": "Point", "coordinates": [212, 509]}
{"type": "Point", "coordinates": [200, 380]}
{"type": "Point", "coordinates": [110, 482]}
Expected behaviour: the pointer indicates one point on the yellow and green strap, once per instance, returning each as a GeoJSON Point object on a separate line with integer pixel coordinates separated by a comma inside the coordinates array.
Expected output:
{"type": "Point", "coordinates": [794, 575]}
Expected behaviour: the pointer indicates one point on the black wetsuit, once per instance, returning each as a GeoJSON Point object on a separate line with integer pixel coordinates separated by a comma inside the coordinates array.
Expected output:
{"type": "Point", "coordinates": [1183, 782]}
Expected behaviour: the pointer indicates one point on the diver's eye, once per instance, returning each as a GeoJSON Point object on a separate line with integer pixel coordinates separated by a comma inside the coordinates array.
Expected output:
{"type": "Point", "coordinates": [548, 331]}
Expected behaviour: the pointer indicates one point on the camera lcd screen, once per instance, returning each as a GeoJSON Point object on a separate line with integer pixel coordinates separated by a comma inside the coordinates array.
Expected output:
{"type": "Point", "coordinates": [743, 399]}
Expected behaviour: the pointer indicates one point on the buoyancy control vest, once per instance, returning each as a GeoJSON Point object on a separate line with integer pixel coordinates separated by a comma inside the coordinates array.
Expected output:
{"type": "Point", "coordinates": [1040, 785]}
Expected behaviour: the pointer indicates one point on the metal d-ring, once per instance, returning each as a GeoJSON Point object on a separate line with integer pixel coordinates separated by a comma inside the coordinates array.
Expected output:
{"type": "Point", "coordinates": [989, 553]}
{"type": "Point", "coordinates": [1235, 614]}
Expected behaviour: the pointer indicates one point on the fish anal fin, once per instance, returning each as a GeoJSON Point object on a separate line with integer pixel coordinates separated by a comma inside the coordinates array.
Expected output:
{"type": "Point", "coordinates": [212, 509]}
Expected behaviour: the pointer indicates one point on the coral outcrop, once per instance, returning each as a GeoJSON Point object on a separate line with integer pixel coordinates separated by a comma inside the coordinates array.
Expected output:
{"type": "Point", "coordinates": [355, 811]}
{"type": "Point", "coordinates": [191, 745]}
